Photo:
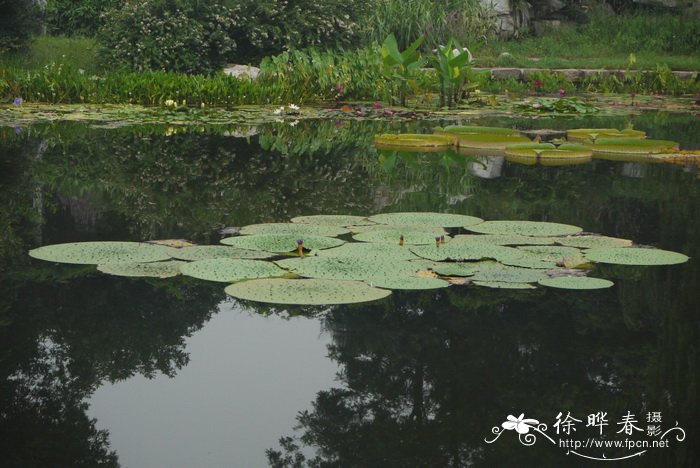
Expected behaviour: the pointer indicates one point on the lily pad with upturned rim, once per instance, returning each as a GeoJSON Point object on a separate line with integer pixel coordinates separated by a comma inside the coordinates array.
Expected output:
{"type": "Point", "coordinates": [631, 146]}
{"type": "Point", "coordinates": [414, 140]}
{"type": "Point", "coordinates": [281, 243]}
{"type": "Point", "coordinates": [294, 229]}
{"type": "Point", "coordinates": [446, 220]}
{"type": "Point", "coordinates": [635, 256]}
{"type": "Point", "coordinates": [203, 252]}
{"type": "Point", "coordinates": [488, 141]}
{"type": "Point", "coordinates": [333, 220]}
{"type": "Point", "coordinates": [228, 270]}
{"type": "Point", "coordinates": [576, 282]}
{"type": "Point", "coordinates": [524, 228]}
{"type": "Point", "coordinates": [94, 253]}
{"type": "Point", "coordinates": [306, 291]}
{"type": "Point", "coordinates": [166, 269]}
{"type": "Point", "coordinates": [586, 134]}
{"type": "Point", "coordinates": [473, 129]}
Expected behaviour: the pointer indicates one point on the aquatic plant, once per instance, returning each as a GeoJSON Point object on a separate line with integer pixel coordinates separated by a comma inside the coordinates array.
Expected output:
{"type": "Point", "coordinates": [401, 66]}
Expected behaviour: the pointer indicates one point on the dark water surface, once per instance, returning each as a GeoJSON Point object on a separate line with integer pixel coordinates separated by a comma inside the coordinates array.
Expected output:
{"type": "Point", "coordinates": [100, 371]}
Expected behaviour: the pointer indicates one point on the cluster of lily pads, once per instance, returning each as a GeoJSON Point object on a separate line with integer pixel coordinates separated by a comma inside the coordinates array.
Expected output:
{"type": "Point", "coordinates": [336, 259]}
{"type": "Point", "coordinates": [577, 146]}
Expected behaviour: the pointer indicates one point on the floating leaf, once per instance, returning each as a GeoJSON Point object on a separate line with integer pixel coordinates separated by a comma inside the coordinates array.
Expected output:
{"type": "Point", "coordinates": [576, 282]}
{"type": "Point", "coordinates": [524, 228]}
{"type": "Point", "coordinates": [507, 274]}
{"type": "Point", "coordinates": [228, 270]}
{"type": "Point", "coordinates": [501, 285]}
{"type": "Point", "coordinates": [333, 220]}
{"type": "Point", "coordinates": [306, 291]}
{"type": "Point", "coordinates": [414, 140]}
{"type": "Point", "coordinates": [87, 253]}
{"type": "Point", "coordinates": [425, 219]}
{"type": "Point", "coordinates": [435, 230]}
{"type": "Point", "coordinates": [588, 134]}
{"type": "Point", "coordinates": [203, 252]}
{"type": "Point", "coordinates": [592, 241]}
{"type": "Point", "coordinates": [632, 146]}
{"type": "Point", "coordinates": [565, 256]}
{"type": "Point", "coordinates": [166, 269]}
{"type": "Point", "coordinates": [487, 141]}
{"type": "Point", "coordinates": [635, 256]}
{"type": "Point", "coordinates": [466, 129]}
{"type": "Point", "coordinates": [462, 268]}
{"type": "Point", "coordinates": [281, 243]}
{"type": "Point", "coordinates": [175, 243]}
{"type": "Point", "coordinates": [393, 236]}
{"type": "Point", "coordinates": [294, 229]}
{"type": "Point", "coordinates": [530, 263]}
{"type": "Point", "coordinates": [503, 239]}
{"type": "Point", "coordinates": [370, 250]}
{"type": "Point", "coordinates": [547, 154]}
{"type": "Point", "coordinates": [463, 252]}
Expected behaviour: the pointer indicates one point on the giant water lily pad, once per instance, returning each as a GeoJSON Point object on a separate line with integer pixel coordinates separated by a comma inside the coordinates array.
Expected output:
{"type": "Point", "coordinates": [503, 239]}
{"type": "Point", "coordinates": [524, 228]}
{"type": "Point", "coordinates": [576, 282]}
{"type": "Point", "coordinates": [592, 241]}
{"type": "Point", "coordinates": [473, 129]}
{"type": "Point", "coordinates": [393, 236]}
{"type": "Point", "coordinates": [632, 146]}
{"type": "Point", "coordinates": [333, 220]}
{"type": "Point", "coordinates": [294, 229]}
{"type": "Point", "coordinates": [306, 291]}
{"type": "Point", "coordinates": [465, 252]}
{"type": "Point", "coordinates": [425, 219]}
{"type": "Point", "coordinates": [635, 256]}
{"type": "Point", "coordinates": [592, 134]}
{"type": "Point", "coordinates": [509, 274]}
{"type": "Point", "coordinates": [228, 270]}
{"type": "Point", "coordinates": [370, 250]}
{"type": "Point", "coordinates": [203, 252]}
{"type": "Point", "coordinates": [166, 269]}
{"type": "Point", "coordinates": [489, 141]}
{"type": "Point", "coordinates": [281, 243]}
{"type": "Point", "coordinates": [93, 253]}
{"type": "Point", "coordinates": [413, 140]}
{"type": "Point", "coordinates": [548, 154]}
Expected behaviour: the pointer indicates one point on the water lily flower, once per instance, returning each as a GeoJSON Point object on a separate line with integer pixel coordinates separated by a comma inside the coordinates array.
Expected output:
{"type": "Point", "coordinates": [340, 88]}
{"type": "Point", "coordinates": [536, 105]}
{"type": "Point", "coordinates": [521, 426]}
{"type": "Point", "coordinates": [278, 111]}
{"type": "Point", "coordinates": [376, 105]}
{"type": "Point", "coordinates": [18, 101]}
{"type": "Point", "coordinates": [170, 103]}
{"type": "Point", "coordinates": [293, 107]}
{"type": "Point", "coordinates": [300, 247]}
{"type": "Point", "coordinates": [562, 92]}
{"type": "Point", "coordinates": [537, 84]}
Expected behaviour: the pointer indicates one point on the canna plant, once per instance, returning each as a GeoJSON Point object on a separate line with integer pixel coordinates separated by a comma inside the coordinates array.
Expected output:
{"type": "Point", "coordinates": [452, 65]}
{"type": "Point", "coordinates": [401, 66]}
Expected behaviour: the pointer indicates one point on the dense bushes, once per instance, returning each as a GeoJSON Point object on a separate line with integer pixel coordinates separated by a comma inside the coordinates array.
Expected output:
{"type": "Point", "coordinates": [18, 20]}
{"type": "Point", "coordinates": [168, 35]}
{"type": "Point", "coordinates": [75, 17]}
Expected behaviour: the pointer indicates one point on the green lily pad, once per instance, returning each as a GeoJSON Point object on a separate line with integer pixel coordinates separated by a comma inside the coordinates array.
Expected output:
{"type": "Point", "coordinates": [632, 146]}
{"type": "Point", "coordinates": [465, 252]}
{"type": "Point", "coordinates": [165, 269]}
{"type": "Point", "coordinates": [203, 252]}
{"type": "Point", "coordinates": [370, 250]}
{"type": "Point", "coordinates": [393, 236]}
{"type": "Point", "coordinates": [435, 230]}
{"type": "Point", "coordinates": [587, 134]}
{"type": "Point", "coordinates": [509, 274]}
{"type": "Point", "coordinates": [462, 268]}
{"type": "Point", "coordinates": [473, 129]}
{"type": "Point", "coordinates": [524, 228]}
{"type": "Point", "coordinates": [94, 253]}
{"type": "Point", "coordinates": [414, 140]}
{"type": "Point", "coordinates": [591, 242]}
{"type": "Point", "coordinates": [576, 282]}
{"type": "Point", "coordinates": [425, 219]}
{"type": "Point", "coordinates": [333, 220]}
{"type": "Point", "coordinates": [228, 270]}
{"type": "Point", "coordinates": [306, 291]}
{"type": "Point", "coordinates": [635, 256]}
{"type": "Point", "coordinates": [548, 154]}
{"type": "Point", "coordinates": [530, 263]}
{"type": "Point", "coordinates": [503, 239]}
{"type": "Point", "coordinates": [281, 243]}
{"type": "Point", "coordinates": [294, 229]}
{"type": "Point", "coordinates": [489, 141]}
{"type": "Point", "coordinates": [501, 285]}
{"type": "Point", "coordinates": [570, 257]}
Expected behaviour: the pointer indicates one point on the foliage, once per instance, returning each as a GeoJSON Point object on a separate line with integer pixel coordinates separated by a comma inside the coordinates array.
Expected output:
{"type": "Point", "coordinates": [556, 105]}
{"type": "Point", "coordinates": [73, 52]}
{"type": "Point", "coordinates": [452, 70]}
{"type": "Point", "coordinates": [401, 67]}
{"type": "Point", "coordinates": [18, 19]}
{"type": "Point", "coordinates": [167, 35]}
{"type": "Point", "coordinates": [76, 17]}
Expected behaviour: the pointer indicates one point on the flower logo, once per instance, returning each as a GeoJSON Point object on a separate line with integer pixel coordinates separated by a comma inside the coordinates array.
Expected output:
{"type": "Point", "coordinates": [522, 426]}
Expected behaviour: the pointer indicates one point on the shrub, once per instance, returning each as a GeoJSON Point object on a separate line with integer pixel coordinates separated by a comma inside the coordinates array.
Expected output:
{"type": "Point", "coordinates": [75, 17]}
{"type": "Point", "coordinates": [167, 35]}
{"type": "Point", "coordinates": [18, 20]}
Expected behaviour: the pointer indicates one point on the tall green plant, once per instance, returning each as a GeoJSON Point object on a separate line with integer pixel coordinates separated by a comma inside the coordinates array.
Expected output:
{"type": "Point", "coordinates": [401, 66]}
{"type": "Point", "coordinates": [452, 64]}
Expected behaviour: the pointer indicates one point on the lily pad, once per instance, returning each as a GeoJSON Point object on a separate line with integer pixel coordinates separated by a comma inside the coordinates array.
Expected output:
{"type": "Point", "coordinates": [548, 154]}
{"type": "Point", "coordinates": [465, 252]}
{"type": "Point", "coordinates": [489, 141]}
{"type": "Point", "coordinates": [414, 140]}
{"type": "Point", "coordinates": [93, 253]}
{"type": "Point", "coordinates": [228, 270]}
{"type": "Point", "coordinates": [203, 252]}
{"type": "Point", "coordinates": [306, 291]}
{"type": "Point", "coordinates": [502, 285]}
{"type": "Point", "coordinates": [590, 242]}
{"type": "Point", "coordinates": [370, 250]}
{"type": "Point", "coordinates": [576, 282]}
{"type": "Point", "coordinates": [524, 228]}
{"type": "Point", "coordinates": [166, 269]}
{"type": "Point", "coordinates": [570, 257]}
{"type": "Point", "coordinates": [435, 230]}
{"type": "Point", "coordinates": [473, 129]}
{"type": "Point", "coordinates": [393, 236]}
{"type": "Point", "coordinates": [632, 146]}
{"type": "Point", "coordinates": [281, 243]}
{"type": "Point", "coordinates": [294, 229]}
{"type": "Point", "coordinates": [463, 268]}
{"type": "Point", "coordinates": [509, 274]}
{"type": "Point", "coordinates": [333, 220]}
{"type": "Point", "coordinates": [530, 263]}
{"type": "Point", "coordinates": [635, 256]}
{"type": "Point", "coordinates": [503, 239]}
{"type": "Point", "coordinates": [587, 134]}
{"type": "Point", "coordinates": [425, 219]}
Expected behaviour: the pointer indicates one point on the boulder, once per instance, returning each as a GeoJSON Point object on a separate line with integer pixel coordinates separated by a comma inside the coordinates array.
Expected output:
{"type": "Point", "coordinates": [242, 71]}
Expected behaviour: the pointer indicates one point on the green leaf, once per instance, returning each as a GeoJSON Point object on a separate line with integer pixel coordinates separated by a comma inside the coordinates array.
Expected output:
{"type": "Point", "coordinates": [576, 282]}
{"type": "Point", "coordinates": [525, 228]}
{"type": "Point", "coordinates": [228, 270]}
{"type": "Point", "coordinates": [306, 291]}
{"type": "Point", "coordinates": [635, 256]}
{"type": "Point", "coordinates": [281, 243]}
{"type": "Point", "coordinates": [166, 269]}
{"type": "Point", "coordinates": [87, 253]}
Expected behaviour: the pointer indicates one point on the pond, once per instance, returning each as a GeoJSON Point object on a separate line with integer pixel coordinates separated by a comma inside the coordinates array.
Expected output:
{"type": "Point", "coordinates": [99, 370]}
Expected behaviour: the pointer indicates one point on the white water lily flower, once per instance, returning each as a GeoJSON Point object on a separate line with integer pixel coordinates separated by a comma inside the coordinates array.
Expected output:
{"type": "Point", "coordinates": [293, 107]}
{"type": "Point", "coordinates": [522, 426]}
{"type": "Point", "coordinates": [278, 111]}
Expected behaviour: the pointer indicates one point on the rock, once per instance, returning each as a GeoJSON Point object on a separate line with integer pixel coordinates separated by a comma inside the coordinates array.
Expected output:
{"type": "Point", "coordinates": [242, 71]}
{"type": "Point", "coordinates": [506, 73]}
{"type": "Point", "coordinates": [545, 135]}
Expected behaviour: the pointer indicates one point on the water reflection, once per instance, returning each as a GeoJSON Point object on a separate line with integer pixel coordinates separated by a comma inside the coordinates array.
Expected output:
{"type": "Point", "coordinates": [424, 376]}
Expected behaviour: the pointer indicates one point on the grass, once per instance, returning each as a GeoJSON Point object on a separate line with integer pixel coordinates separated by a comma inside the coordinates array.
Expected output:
{"type": "Point", "coordinates": [605, 42]}
{"type": "Point", "coordinates": [75, 52]}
